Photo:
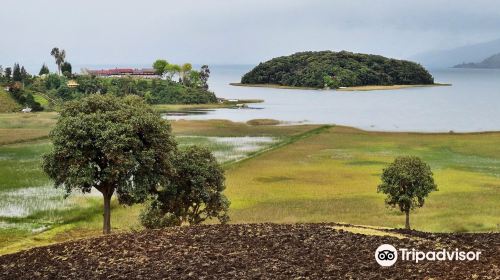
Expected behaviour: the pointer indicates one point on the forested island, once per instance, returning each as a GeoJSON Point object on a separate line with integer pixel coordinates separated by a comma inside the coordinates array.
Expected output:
{"type": "Point", "coordinates": [492, 62]}
{"type": "Point", "coordinates": [328, 69]}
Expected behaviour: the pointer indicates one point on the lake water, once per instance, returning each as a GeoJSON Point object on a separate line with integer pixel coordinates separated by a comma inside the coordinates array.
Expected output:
{"type": "Point", "coordinates": [472, 103]}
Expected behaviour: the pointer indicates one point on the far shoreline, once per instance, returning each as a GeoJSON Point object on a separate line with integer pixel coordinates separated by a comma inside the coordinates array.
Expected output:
{"type": "Point", "coordinates": [357, 88]}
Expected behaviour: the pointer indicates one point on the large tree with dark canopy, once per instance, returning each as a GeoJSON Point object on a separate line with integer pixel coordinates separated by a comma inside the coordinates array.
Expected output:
{"type": "Point", "coordinates": [113, 145]}
{"type": "Point", "coordinates": [407, 182]}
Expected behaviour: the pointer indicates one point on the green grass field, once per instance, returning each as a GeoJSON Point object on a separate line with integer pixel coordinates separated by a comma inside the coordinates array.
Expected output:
{"type": "Point", "coordinates": [21, 127]}
{"type": "Point", "coordinates": [333, 176]}
{"type": "Point", "coordinates": [288, 174]}
{"type": "Point", "coordinates": [33, 213]}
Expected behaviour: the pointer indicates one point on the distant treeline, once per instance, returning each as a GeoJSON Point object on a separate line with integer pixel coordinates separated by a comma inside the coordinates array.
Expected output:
{"type": "Point", "coordinates": [154, 91]}
{"type": "Point", "coordinates": [23, 87]}
{"type": "Point", "coordinates": [337, 69]}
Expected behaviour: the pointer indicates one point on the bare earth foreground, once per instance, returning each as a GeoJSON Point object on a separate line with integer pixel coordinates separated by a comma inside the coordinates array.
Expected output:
{"type": "Point", "coordinates": [253, 251]}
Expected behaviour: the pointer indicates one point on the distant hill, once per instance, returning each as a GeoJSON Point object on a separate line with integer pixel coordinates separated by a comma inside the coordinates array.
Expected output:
{"type": "Point", "coordinates": [336, 69]}
{"type": "Point", "coordinates": [450, 57]}
{"type": "Point", "coordinates": [488, 63]}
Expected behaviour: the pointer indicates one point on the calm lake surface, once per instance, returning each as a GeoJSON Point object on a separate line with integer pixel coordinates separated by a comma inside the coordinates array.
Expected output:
{"type": "Point", "coordinates": [472, 103]}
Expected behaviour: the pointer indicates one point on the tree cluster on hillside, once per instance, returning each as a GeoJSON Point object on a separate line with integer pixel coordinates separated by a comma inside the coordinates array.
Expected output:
{"type": "Point", "coordinates": [122, 146]}
{"type": "Point", "coordinates": [337, 69]}
{"type": "Point", "coordinates": [191, 88]}
{"type": "Point", "coordinates": [63, 67]}
{"type": "Point", "coordinates": [17, 73]}
{"type": "Point", "coordinates": [187, 76]}
{"type": "Point", "coordinates": [154, 91]}
{"type": "Point", "coordinates": [19, 81]}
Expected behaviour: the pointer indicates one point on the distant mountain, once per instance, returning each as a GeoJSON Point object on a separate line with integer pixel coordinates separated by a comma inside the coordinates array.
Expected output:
{"type": "Point", "coordinates": [490, 62]}
{"type": "Point", "coordinates": [450, 57]}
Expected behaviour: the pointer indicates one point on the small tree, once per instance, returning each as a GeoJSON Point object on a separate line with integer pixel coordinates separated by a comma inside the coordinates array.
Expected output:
{"type": "Point", "coordinates": [204, 75]}
{"type": "Point", "coordinates": [8, 74]}
{"type": "Point", "coordinates": [160, 66]}
{"type": "Point", "coordinates": [173, 69]}
{"type": "Point", "coordinates": [16, 74]}
{"type": "Point", "coordinates": [407, 182]}
{"type": "Point", "coordinates": [53, 81]}
{"type": "Point", "coordinates": [24, 74]}
{"type": "Point", "coordinates": [59, 56]}
{"type": "Point", "coordinates": [66, 69]}
{"type": "Point", "coordinates": [44, 70]}
{"type": "Point", "coordinates": [193, 195]}
{"type": "Point", "coordinates": [185, 69]}
{"type": "Point", "coordinates": [112, 145]}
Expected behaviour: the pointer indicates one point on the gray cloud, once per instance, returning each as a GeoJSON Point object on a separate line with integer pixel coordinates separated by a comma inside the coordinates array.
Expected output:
{"type": "Point", "coordinates": [236, 31]}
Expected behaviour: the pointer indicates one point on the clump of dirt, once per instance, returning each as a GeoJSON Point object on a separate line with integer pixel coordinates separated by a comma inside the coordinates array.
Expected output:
{"type": "Point", "coordinates": [251, 251]}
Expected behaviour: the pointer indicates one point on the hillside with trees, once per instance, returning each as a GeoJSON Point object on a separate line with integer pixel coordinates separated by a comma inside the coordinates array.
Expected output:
{"type": "Point", "coordinates": [492, 62]}
{"type": "Point", "coordinates": [179, 84]}
{"type": "Point", "coordinates": [337, 69]}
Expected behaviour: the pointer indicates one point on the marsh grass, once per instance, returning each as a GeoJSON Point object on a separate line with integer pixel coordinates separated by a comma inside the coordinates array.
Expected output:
{"type": "Point", "coordinates": [306, 174]}
{"type": "Point", "coordinates": [164, 108]}
{"type": "Point", "coordinates": [333, 176]}
{"type": "Point", "coordinates": [20, 165]}
{"type": "Point", "coordinates": [21, 127]}
{"type": "Point", "coordinates": [33, 213]}
{"type": "Point", "coordinates": [227, 149]}
{"type": "Point", "coordinates": [225, 128]}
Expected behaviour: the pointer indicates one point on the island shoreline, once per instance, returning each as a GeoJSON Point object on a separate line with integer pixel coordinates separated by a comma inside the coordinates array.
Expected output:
{"type": "Point", "coordinates": [356, 88]}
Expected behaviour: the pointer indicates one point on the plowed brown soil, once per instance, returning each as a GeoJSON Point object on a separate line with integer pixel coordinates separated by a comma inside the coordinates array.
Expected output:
{"type": "Point", "coordinates": [251, 251]}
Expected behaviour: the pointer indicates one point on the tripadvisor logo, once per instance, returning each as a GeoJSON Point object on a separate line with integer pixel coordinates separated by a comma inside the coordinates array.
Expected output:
{"type": "Point", "coordinates": [387, 255]}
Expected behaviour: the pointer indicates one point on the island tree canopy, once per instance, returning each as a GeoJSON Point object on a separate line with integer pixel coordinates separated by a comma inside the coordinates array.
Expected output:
{"type": "Point", "coordinates": [115, 145]}
{"type": "Point", "coordinates": [336, 69]}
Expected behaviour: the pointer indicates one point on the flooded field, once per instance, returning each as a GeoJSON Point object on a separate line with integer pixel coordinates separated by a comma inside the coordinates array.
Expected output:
{"type": "Point", "coordinates": [227, 149]}
{"type": "Point", "coordinates": [29, 203]}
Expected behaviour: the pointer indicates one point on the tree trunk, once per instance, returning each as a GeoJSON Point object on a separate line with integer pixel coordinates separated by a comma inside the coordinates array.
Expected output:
{"type": "Point", "coordinates": [407, 224]}
{"type": "Point", "coordinates": [106, 228]}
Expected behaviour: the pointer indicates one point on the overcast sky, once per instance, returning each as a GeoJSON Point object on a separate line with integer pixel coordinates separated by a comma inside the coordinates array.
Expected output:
{"type": "Point", "coordinates": [235, 31]}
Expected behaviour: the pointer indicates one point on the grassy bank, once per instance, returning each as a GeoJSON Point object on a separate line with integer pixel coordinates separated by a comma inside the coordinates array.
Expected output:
{"type": "Point", "coordinates": [283, 174]}
{"type": "Point", "coordinates": [164, 108]}
{"type": "Point", "coordinates": [7, 103]}
{"type": "Point", "coordinates": [333, 175]}
{"type": "Point", "coordinates": [32, 213]}
{"type": "Point", "coordinates": [21, 127]}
